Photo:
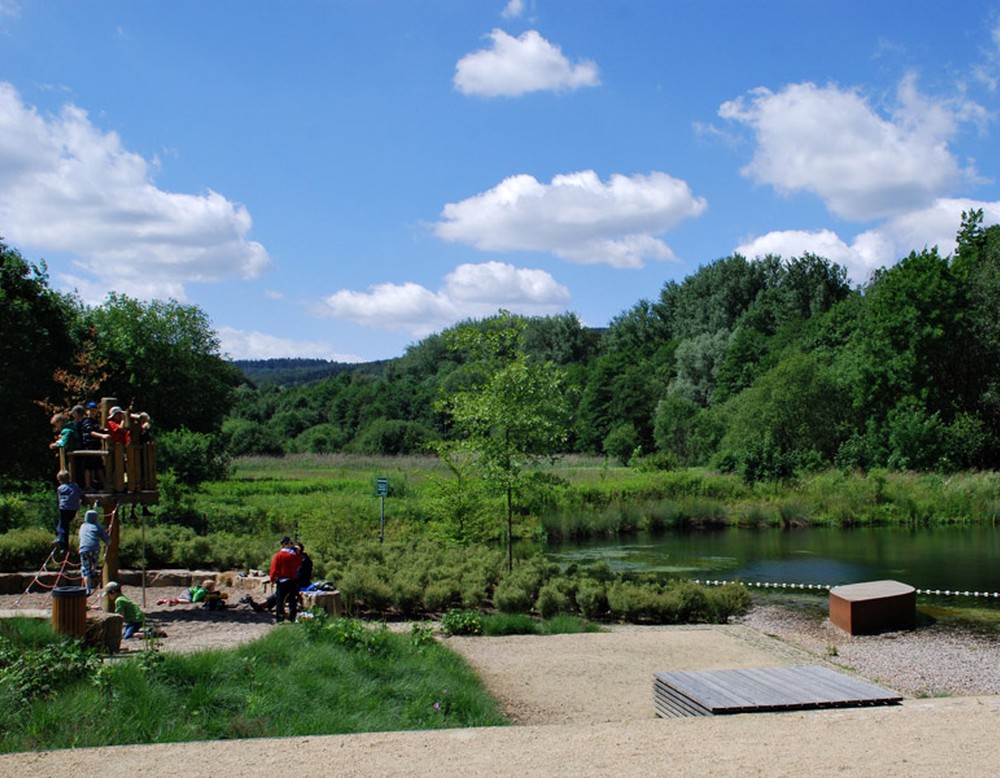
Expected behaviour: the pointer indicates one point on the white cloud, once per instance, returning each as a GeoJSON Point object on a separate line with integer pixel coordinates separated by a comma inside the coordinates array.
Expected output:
{"type": "Point", "coordinates": [513, 9]}
{"type": "Point", "coordinates": [988, 70]}
{"type": "Point", "coordinates": [241, 344]}
{"type": "Point", "coordinates": [471, 290]}
{"type": "Point", "coordinates": [883, 246]}
{"type": "Point", "coordinates": [67, 186]}
{"type": "Point", "coordinates": [577, 217]}
{"type": "Point", "coordinates": [833, 143]}
{"type": "Point", "coordinates": [515, 66]}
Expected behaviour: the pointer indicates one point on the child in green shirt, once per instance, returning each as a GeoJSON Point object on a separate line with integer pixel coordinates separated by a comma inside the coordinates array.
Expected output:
{"type": "Point", "coordinates": [131, 613]}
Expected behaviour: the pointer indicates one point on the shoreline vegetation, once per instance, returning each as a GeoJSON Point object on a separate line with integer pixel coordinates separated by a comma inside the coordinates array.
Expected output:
{"type": "Point", "coordinates": [444, 535]}
{"type": "Point", "coordinates": [329, 501]}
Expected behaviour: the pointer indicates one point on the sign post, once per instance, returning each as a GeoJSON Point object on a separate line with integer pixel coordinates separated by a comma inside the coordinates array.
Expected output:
{"type": "Point", "coordinates": [381, 491]}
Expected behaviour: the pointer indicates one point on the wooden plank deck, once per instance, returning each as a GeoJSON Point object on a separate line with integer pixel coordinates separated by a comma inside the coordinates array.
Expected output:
{"type": "Point", "coordinates": [717, 692]}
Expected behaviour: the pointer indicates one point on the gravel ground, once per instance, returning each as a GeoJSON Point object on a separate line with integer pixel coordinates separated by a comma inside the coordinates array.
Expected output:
{"type": "Point", "coordinates": [583, 706]}
{"type": "Point", "coordinates": [928, 662]}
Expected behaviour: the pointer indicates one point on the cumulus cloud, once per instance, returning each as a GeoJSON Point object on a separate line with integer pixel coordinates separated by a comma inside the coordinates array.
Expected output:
{"type": "Point", "coordinates": [471, 290]}
{"type": "Point", "coordinates": [243, 344]}
{"type": "Point", "coordinates": [831, 142]}
{"type": "Point", "coordinates": [515, 66]}
{"type": "Point", "coordinates": [577, 217]}
{"type": "Point", "coordinates": [67, 186]}
{"type": "Point", "coordinates": [883, 246]}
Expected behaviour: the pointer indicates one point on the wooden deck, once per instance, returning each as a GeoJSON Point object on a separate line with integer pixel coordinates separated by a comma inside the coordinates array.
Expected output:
{"type": "Point", "coordinates": [717, 692]}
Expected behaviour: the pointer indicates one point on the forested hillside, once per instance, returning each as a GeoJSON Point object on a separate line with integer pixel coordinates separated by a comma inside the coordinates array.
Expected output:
{"type": "Point", "coordinates": [295, 372]}
{"type": "Point", "coordinates": [761, 367]}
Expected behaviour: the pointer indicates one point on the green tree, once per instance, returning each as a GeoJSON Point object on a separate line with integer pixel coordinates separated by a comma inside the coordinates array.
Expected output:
{"type": "Point", "coordinates": [511, 415]}
{"type": "Point", "coordinates": [164, 358]}
{"type": "Point", "coordinates": [37, 325]}
{"type": "Point", "coordinates": [794, 413]}
{"type": "Point", "coordinates": [977, 263]}
{"type": "Point", "coordinates": [622, 442]}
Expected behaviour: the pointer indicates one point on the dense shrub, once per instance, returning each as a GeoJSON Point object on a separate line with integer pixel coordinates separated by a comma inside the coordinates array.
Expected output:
{"type": "Point", "coordinates": [244, 438]}
{"type": "Point", "coordinates": [193, 457]}
{"type": "Point", "coordinates": [25, 549]}
{"type": "Point", "coordinates": [677, 602]}
{"type": "Point", "coordinates": [461, 622]}
{"type": "Point", "coordinates": [365, 589]}
{"type": "Point", "coordinates": [393, 436]}
{"type": "Point", "coordinates": [591, 598]}
{"type": "Point", "coordinates": [511, 597]}
{"type": "Point", "coordinates": [553, 598]}
{"type": "Point", "coordinates": [12, 513]}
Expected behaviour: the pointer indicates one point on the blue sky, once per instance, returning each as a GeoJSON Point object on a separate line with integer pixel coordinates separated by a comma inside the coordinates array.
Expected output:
{"type": "Point", "coordinates": [339, 179]}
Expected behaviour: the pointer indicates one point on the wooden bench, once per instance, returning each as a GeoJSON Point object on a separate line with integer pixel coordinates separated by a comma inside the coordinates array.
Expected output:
{"type": "Point", "coordinates": [873, 606]}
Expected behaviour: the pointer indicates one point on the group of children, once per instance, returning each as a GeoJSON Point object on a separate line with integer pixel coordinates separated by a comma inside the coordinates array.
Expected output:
{"type": "Point", "coordinates": [81, 429]}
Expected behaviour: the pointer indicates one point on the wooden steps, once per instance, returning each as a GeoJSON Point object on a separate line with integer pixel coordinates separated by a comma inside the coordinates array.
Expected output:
{"type": "Point", "coordinates": [718, 692]}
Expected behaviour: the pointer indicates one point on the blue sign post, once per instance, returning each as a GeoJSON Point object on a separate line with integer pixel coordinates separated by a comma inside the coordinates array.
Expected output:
{"type": "Point", "coordinates": [382, 491]}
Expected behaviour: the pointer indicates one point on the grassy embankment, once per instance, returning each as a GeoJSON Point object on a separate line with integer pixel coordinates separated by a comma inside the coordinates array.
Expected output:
{"type": "Point", "coordinates": [313, 678]}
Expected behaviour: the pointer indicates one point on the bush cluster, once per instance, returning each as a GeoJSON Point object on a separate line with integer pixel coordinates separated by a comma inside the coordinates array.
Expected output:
{"type": "Point", "coordinates": [421, 579]}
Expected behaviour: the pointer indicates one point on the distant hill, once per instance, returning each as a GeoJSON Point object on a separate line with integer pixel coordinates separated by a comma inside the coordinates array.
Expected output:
{"type": "Point", "coordinates": [297, 372]}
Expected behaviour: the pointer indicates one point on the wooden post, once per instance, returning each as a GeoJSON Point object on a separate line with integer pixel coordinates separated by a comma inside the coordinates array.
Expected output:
{"type": "Point", "coordinates": [111, 557]}
{"type": "Point", "coordinates": [132, 468]}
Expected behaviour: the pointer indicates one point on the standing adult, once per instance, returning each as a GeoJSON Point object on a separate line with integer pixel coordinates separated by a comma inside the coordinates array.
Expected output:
{"type": "Point", "coordinates": [305, 566]}
{"type": "Point", "coordinates": [284, 578]}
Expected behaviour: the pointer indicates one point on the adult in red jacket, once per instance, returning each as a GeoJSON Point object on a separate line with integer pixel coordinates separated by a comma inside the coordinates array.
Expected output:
{"type": "Point", "coordinates": [284, 577]}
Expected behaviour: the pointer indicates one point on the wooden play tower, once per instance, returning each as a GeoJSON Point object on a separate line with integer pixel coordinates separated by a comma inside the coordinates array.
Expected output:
{"type": "Point", "coordinates": [127, 477]}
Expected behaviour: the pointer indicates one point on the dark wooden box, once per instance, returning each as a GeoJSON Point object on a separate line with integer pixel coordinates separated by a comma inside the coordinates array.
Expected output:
{"type": "Point", "coordinates": [873, 606]}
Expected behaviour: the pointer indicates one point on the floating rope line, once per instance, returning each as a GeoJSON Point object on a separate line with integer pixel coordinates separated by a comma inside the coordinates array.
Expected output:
{"type": "Point", "coordinates": [827, 587]}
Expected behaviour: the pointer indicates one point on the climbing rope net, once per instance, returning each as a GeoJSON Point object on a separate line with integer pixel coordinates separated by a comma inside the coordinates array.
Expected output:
{"type": "Point", "coordinates": [65, 568]}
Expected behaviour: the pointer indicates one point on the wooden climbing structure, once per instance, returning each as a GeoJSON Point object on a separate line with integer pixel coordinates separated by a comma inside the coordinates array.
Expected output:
{"type": "Point", "coordinates": [123, 476]}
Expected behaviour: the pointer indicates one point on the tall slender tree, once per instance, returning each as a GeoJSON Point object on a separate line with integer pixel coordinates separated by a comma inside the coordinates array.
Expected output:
{"type": "Point", "coordinates": [512, 412]}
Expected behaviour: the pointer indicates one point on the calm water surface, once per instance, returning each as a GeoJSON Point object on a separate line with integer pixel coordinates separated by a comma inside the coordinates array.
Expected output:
{"type": "Point", "coordinates": [939, 558]}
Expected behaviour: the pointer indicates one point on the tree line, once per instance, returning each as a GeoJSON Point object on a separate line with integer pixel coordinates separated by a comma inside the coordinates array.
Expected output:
{"type": "Point", "coordinates": [764, 368]}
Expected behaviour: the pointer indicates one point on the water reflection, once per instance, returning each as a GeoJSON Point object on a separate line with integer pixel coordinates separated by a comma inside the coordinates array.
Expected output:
{"type": "Point", "coordinates": [937, 558]}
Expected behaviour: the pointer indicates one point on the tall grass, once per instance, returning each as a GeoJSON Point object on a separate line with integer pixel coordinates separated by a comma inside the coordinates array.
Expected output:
{"type": "Point", "coordinates": [329, 678]}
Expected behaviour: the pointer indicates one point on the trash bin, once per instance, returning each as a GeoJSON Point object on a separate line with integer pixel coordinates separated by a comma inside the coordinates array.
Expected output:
{"type": "Point", "coordinates": [69, 610]}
